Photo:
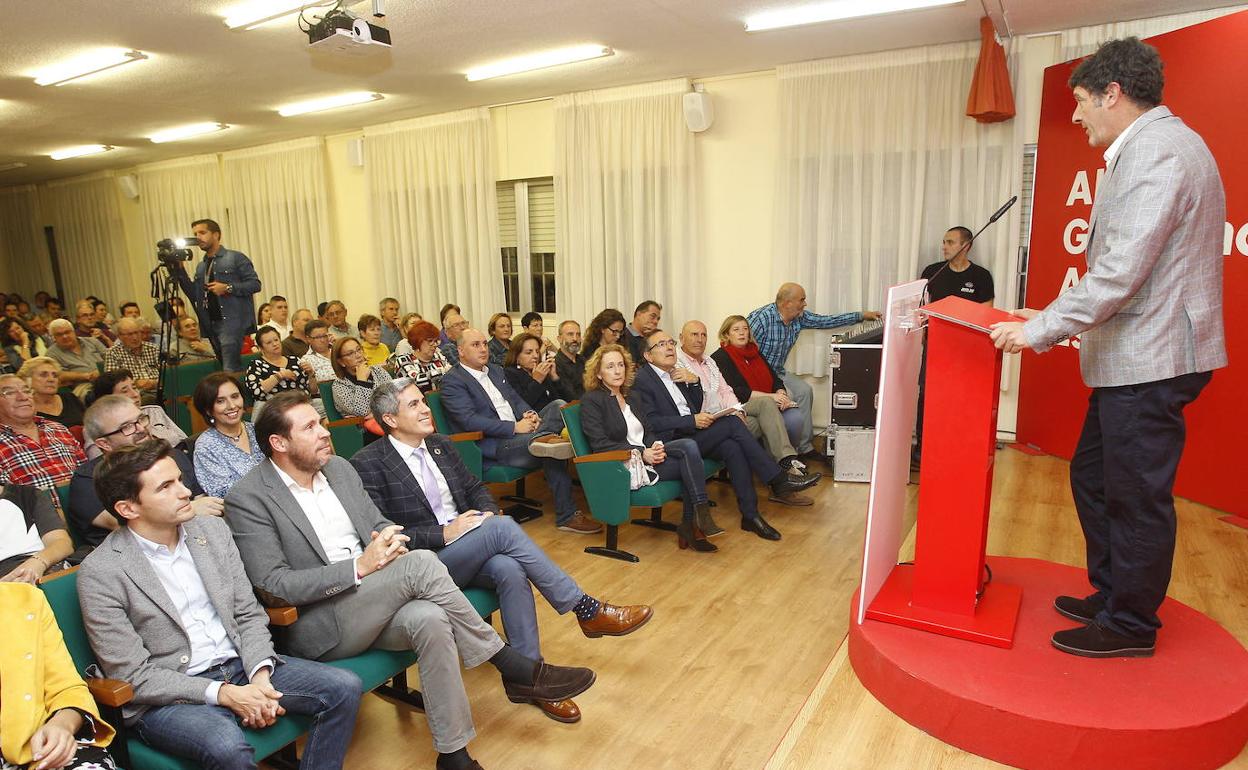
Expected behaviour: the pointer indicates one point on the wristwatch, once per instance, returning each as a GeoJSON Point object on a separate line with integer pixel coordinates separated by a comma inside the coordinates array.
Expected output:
{"type": "Point", "coordinates": [229, 288]}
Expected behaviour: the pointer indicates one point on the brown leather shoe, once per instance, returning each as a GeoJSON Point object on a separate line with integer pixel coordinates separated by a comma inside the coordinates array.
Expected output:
{"type": "Point", "coordinates": [791, 498]}
{"type": "Point", "coordinates": [616, 621]}
{"type": "Point", "coordinates": [552, 683]}
{"type": "Point", "coordinates": [565, 711]}
{"type": "Point", "coordinates": [580, 524]}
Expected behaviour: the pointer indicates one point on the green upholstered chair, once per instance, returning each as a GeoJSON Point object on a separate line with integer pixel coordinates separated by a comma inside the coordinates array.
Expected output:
{"type": "Point", "coordinates": [179, 385]}
{"type": "Point", "coordinates": [523, 508]}
{"type": "Point", "coordinates": [344, 432]}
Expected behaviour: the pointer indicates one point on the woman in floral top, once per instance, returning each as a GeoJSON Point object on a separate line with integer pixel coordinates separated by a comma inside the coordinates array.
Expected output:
{"type": "Point", "coordinates": [425, 364]}
{"type": "Point", "coordinates": [226, 451]}
{"type": "Point", "coordinates": [273, 372]}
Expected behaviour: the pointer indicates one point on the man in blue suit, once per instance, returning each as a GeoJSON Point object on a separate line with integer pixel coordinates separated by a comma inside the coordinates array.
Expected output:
{"type": "Point", "coordinates": [673, 400]}
{"type": "Point", "coordinates": [221, 294]}
{"type": "Point", "coordinates": [477, 397]}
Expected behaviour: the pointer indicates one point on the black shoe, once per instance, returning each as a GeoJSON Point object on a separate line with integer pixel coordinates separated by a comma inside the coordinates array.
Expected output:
{"type": "Point", "coordinates": [759, 526]}
{"type": "Point", "coordinates": [551, 683]}
{"type": "Point", "coordinates": [1082, 610]}
{"type": "Point", "coordinates": [1096, 641]}
{"type": "Point", "coordinates": [785, 485]}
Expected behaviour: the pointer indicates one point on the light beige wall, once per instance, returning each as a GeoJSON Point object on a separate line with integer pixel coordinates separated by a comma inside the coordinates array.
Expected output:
{"type": "Point", "coordinates": [357, 265]}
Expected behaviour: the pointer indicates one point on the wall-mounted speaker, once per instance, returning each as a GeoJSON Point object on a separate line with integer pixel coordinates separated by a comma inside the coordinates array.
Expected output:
{"type": "Point", "coordinates": [355, 152]}
{"type": "Point", "coordinates": [129, 184]}
{"type": "Point", "coordinates": [699, 112]}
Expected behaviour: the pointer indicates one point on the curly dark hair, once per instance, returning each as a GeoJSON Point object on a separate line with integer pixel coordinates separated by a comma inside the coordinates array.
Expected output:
{"type": "Point", "coordinates": [1132, 64]}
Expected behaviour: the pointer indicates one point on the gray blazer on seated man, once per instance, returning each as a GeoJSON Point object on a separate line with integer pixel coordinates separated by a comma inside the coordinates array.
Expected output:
{"type": "Point", "coordinates": [168, 608]}
{"type": "Point", "coordinates": [418, 478]}
{"type": "Point", "coordinates": [310, 536]}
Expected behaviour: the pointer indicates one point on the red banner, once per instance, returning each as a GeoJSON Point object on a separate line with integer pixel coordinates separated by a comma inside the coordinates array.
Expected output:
{"type": "Point", "coordinates": [1207, 86]}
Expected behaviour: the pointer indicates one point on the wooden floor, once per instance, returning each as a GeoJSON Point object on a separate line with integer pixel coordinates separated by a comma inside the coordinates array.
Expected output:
{"type": "Point", "coordinates": [743, 665]}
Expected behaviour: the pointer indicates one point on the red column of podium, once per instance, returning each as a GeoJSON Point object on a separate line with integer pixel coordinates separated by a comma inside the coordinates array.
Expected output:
{"type": "Point", "coordinates": [946, 590]}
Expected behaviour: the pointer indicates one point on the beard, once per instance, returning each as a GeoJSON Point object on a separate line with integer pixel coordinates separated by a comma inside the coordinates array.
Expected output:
{"type": "Point", "coordinates": [307, 459]}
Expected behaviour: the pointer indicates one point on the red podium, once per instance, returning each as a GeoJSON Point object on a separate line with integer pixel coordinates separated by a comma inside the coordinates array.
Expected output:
{"type": "Point", "coordinates": [946, 591]}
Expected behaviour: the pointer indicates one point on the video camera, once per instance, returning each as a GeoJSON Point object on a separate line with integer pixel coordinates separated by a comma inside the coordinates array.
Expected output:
{"type": "Point", "coordinates": [170, 251]}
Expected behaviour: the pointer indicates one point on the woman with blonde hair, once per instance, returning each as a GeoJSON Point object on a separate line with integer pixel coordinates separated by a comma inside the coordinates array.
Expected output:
{"type": "Point", "coordinates": [43, 374]}
{"type": "Point", "coordinates": [499, 329]}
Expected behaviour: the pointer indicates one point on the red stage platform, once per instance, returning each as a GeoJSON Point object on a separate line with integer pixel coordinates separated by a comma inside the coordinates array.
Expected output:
{"type": "Point", "coordinates": [1035, 707]}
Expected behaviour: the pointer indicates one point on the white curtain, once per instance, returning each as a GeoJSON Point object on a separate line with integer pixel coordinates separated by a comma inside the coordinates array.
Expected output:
{"type": "Point", "coordinates": [626, 201]}
{"type": "Point", "coordinates": [434, 212]}
{"type": "Point", "coordinates": [279, 217]}
{"type": "Point", "coordinates": [177, 192]}
{"type": "Point", "coordinates": [1084, 40]}
{"type": "Point", "coordinates": [24, 264]}
{"type": "Point", "coordinates": [90, 239]}
{"type": "Point", "coordinates": [875, 161]}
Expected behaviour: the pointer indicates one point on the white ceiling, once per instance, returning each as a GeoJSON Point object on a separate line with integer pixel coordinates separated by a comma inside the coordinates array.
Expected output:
{"type": "Point", "coordinates": [202, 71]}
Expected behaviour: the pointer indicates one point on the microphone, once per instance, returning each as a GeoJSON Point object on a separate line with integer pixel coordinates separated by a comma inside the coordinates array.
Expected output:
{"type": "Point", "coordinates": [1000, 212]}
{"type": "Point", "coordinates": [997, 215]}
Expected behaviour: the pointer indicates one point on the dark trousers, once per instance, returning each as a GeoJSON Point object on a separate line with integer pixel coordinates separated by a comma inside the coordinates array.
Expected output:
{"type": "Point", "coordinates": [1122, 479]}
{"type": "Point", "coordinates": [729, 440]}
{"type": "Point", "coordinates": [684, 464]}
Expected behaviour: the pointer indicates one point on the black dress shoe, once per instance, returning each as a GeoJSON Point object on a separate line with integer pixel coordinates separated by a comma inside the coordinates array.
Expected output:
{"type": "Point", "coordinates": [551, 683]}
{"type": "Point", "coordinates": [1096, 641]}
{"type": "Point", "coordinates": [785, 485]}
{"type": "Point", "coordinates": [759, 526]}
{"type": "Point", "coordinates": [1082, 610]}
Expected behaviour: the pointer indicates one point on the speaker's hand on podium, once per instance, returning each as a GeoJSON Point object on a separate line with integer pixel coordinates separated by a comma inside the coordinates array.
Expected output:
{"type": "Point", "coordinates": [1008, 336]}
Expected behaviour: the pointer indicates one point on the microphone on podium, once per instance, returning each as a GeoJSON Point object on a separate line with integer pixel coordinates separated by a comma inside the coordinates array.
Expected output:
{"type": "Point", "coordinates": [996, 215]}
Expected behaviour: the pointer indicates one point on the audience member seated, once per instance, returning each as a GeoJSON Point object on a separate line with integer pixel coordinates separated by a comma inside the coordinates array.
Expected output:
{"type": "Point", "coordinates": [746, 375]}
{"type": "Point", "coordinates": [89, 326]}
{"type": "Point", "coordinates": [673, 404]}
{"type": "Point", "coordinates": [190, 348]}
{"type": "Point", "coordinates": [133, 354]}
{"type": "Point", "coordinates": [357, 587]}
{"type": "Point", "coordinates": [50, 718]}
{"type": "Point", "coordinates": [43, 374]}
{"type": "Point", "coordinates": [453, 327]}
{"type": "Point", "coordinates": [297, 343]}
{"type": "Point", "coordinates": [130, 310]}
{"type": "Point", "coordinates": [39, 330]}
{"type": "Point", "coordinates": [273, 372]}
{"type": "Point", "coordinates": [114, 422]}
{"type": "Point", "coordinates": [227, 450]}
{"type": "Point", "coordinates": [33, 540]}
{"type": "Point", "coordinates": [569, 362]}
{"type": "Point", "coordinates": [532, 324]}
{"type": "Point", "coordinates": [499, 329]}
{"type": "Point", "coordinates": [101, 312]}
{"type": "Point", "coordinates": [353, 388]}
{"type": "Point", "coordinates": [419, 480]}
{"type": "Point", "coordinates": [403, 347]}
{"type": "Point", "coordinates": [19, 344]}
{"type": "Point", "coordinates": [424, 364]}
{"type": "Point", "coordinates": [203, 672]}
{"type": "Point", "coordinates": [54, 309]}
{"type": "Point", "coordinates": [80, 357]}
{"type": "Point", "coordinates": [279, 316]}
{"type": "Point", "coordinates": [775, 328]}
{"type": "Point", "coordinates": [478, 398]}
{"type": "Point", "coordinates": [442, 314]}
{"type": "Point", "coordinates": [607, 328]}
{"type": "Point", "coordinates": [33, 449]}
{"type": "Point", "coordinates": [320, 348]}
{"type": "Point", "coordinates": [646, 318]}
{"type": "Point", "coordinates": [391, 332]}
{"type": "Point", "coordinates": [336, 317]}
{"type": "Point", "coordinates": [375, 351]}
{"type": "Point", "coordinates": [613, 417]}
{"type": "Point", "coordinates": [263, 314]}
{"type": "Point", "coordinates": [532, 374]}
{"type": "Point", "coordinates": [159, 424]}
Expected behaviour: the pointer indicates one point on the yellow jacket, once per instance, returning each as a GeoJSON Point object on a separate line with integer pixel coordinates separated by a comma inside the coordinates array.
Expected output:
{"type": "Point", "coordinates": [37, 676]}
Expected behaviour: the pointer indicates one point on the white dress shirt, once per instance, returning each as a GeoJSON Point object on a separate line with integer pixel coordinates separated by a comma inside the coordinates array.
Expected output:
{"type": "Point", "coordinates": [210, 642]}
{"type": "Point", "coordinates": [411, 456]}
{"type": "Point", "coordinates": [501, 406]}
{"type": "Point", "coordinates": [681, 404]}
{"type": "Point", "coordinates": [328, 518]}
{"type": "Point", "coordinates": [636, 431]}
{"type": "Point", "coordinates": [1116, 145]}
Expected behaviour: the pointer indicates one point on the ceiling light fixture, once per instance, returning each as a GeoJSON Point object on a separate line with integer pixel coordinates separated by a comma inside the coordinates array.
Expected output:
{"type": "Point", "coordinates": [329, 103]}
{"type": "Point", "coordinates": [837, 10]}
{"type": "Point", "coordinates": [78, 152]}
{"type": "Point", "coordinates": [12, 166]}
{"type": "Point", "coordinates": [186, 132]}
{"type": "Point", "coordinates": [539, 61]}
{"type": "Point", "coordinates": [90, 64]}
{"type": "Point", "coordinates": [255, 14]}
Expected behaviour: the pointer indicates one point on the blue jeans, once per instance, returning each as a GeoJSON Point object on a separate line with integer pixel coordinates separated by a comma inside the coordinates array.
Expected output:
{"type": "Point", "coordinates": [227, 346]}
{"type": "Point", "coordinates": [684, 464]}
{"type": "Point", "coordinates": [514, 451]}
{"type": "Point", "coordinates": [213, 737]}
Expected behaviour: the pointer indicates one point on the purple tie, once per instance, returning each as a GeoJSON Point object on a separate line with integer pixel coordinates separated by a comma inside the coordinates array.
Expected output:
{"type": "Point", "coordinates": [429, 481]}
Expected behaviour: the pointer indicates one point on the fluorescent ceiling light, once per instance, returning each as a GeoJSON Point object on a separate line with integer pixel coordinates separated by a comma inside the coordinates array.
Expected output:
{"type": "Point", "coordinates": [12, 166]}
{"type": "Point", "coordinates": [186, 132]}
{"type": "Point", "coordinates": [254, 14]}
{"type": "Point", "coordinates": [78, 152]}
{"type": "Point", "coordinates": [329, 103]}
{"type": "Point", "coordinates": [835, 11]}
{"type": "Point", "coordinates": [539, 61]}
{"type": "Point", "coordinates": [97, 61]}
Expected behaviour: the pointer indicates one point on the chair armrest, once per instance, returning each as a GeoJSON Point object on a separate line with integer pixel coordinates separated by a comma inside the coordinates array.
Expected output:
{"type": "Point", "coordinates": [615, 456]}
{"type": "Point", "coordinates": [54, 575]}
{"type": "Point", "coordinates": [110, 692]}
{"type": "Point", "coordinates": [475, 435]}
{"type": "Point", "coordinates": [345, 421]}
{"type": "Point", "coordinates": [282, 616]}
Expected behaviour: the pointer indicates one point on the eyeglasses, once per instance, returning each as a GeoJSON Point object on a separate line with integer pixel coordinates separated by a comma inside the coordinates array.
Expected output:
{"type": "Point", "coordinates": [663, 344]}
{"type": "Point", "coordinates": [11, 392]}
{"type": "Point", "coordinates": [128, 428]}
{"type": "Point", "coordinates": [318, 337]}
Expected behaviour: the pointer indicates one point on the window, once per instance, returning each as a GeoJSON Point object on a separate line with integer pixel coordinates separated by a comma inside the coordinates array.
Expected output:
{"type": "Point", "coordinates": [1026, 200]}
{"type": "Point", "coordinates": [526, 225]}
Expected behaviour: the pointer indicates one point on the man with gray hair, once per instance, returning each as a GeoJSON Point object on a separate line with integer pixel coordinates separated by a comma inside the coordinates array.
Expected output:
{"type": "Point", "coordinates": [80, 357]}
{"type": "Point", "coordinates": [139, 357]}
{"type": "Point", "coordinates": [391, 333]}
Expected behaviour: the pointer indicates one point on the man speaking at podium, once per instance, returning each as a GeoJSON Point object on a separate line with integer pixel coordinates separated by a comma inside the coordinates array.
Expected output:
{"type": "Point", "coordinates": [1150, 312]}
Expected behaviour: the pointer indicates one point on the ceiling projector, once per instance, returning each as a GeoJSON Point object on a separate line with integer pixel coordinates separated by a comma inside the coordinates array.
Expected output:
{"type": "Point", "coordinates": [340, 33]}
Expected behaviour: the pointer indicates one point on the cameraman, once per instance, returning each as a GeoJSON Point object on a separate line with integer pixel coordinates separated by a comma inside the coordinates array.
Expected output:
{"type": "Point", "coordinates": [221, 293]}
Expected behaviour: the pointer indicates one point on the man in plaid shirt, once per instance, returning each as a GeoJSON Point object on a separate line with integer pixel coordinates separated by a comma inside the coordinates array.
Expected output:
{"type": "Point", "coordinates": [775, 328]}
{"type": "Point", "coordinates": [33, 451]}
{"type": "Point", "coordinates": [141, 359]}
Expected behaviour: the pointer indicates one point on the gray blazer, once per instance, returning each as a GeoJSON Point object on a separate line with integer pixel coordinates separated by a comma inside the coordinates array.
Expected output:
{"type": "Point", "coordinates": [283, 556]}
{"type": "Point", "coordinates": [134, 627]}
{"type": "Point", "coordinates": [1150, 305]}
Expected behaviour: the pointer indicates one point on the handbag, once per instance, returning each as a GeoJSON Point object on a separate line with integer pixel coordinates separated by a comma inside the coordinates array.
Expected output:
{"type": "Point", "coordinates": [639, 473]}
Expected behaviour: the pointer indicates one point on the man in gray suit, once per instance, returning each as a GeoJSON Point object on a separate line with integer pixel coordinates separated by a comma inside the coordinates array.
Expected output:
{"type": "Point", "coordinates": [168, 608]}
{"type": "Point", "coordinates": [1150, 312]}
{"type": "Point", "coordinates": [311, 537]}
